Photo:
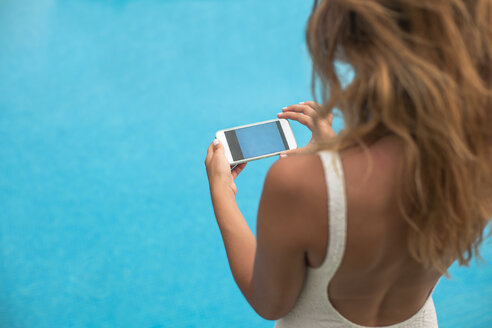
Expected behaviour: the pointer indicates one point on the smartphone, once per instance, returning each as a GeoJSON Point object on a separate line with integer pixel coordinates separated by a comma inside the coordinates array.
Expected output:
{"type": "Point", "coordinates": [255, 141]}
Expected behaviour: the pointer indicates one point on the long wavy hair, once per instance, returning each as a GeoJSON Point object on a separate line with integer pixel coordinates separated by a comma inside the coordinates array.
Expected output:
{"type": "Point", "coordinates": [423, 73]}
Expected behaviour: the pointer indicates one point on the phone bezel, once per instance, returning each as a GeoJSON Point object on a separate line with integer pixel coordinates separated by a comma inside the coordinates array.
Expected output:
{"type": "Point", "coordinates": [286, 129]}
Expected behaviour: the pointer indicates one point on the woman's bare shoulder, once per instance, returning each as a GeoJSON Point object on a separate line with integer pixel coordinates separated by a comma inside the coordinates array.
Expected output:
{"type": "Point", "coordinates": [297, 174]}
{"type": "Point", "coordinates": [299, 187]}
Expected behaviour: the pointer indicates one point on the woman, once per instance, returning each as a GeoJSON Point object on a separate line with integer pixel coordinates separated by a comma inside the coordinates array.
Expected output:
{"type": "Point", "coordinates": [356, 229]}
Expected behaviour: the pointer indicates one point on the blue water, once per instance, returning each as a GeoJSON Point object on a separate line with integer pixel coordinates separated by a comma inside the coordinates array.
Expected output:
{"type": "Point", "coordinates": [106, 111]}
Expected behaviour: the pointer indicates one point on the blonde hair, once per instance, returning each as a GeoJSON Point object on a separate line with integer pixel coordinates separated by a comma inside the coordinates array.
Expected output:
{"type": "Point", "coordinates": [423, 73]}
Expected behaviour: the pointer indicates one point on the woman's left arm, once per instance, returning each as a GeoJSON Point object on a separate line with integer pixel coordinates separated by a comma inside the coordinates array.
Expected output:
{"type": "Point", "coordinates": [269, 272]}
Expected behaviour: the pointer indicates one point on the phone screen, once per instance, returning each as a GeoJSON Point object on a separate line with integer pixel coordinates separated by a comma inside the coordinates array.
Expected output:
{"type": "Point", "coordinates": [256, 140]}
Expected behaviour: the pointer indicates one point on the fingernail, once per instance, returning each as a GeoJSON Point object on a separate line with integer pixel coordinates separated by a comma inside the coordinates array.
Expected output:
{"type": "Point", "coordinates": [216, 142]}
{"type": "Point", "coordinates": [302, 102]}
{"type": "Point", "coordinates": [284, 108]}
{"type": "Point", "coordinates": [279, 113]}
{"type": "Point", "coordinates": [283, 156]}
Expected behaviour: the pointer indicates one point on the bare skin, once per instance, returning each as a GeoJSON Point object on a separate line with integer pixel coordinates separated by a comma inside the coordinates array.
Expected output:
{"type": "Point", "coordinates": [377, 284]}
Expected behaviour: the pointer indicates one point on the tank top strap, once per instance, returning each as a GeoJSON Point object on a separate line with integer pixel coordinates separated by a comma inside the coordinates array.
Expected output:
{"type": "Point", "coordinates": [337, 212]}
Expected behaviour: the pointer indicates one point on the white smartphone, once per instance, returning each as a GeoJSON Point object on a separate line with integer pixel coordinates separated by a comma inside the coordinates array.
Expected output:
{"type": "Point", "coordinates": [255, 141]}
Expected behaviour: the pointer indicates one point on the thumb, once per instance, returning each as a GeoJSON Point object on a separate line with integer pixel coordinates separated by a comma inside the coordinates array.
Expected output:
{"type": "Point", "coordinates": [218, 146]}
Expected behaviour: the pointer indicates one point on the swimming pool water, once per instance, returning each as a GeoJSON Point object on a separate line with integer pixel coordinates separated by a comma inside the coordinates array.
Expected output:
{"type": "Point", "coordinates": [106, 111]}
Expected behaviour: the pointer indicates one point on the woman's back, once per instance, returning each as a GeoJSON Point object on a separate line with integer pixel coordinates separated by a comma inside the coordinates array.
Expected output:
{"type": "Point", "coordinates": [420, 104]}
{"type": "Point", "coordinates": [377, 283]}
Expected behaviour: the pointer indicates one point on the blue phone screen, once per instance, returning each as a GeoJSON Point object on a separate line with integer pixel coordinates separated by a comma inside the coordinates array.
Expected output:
{"type": "Point", "coordinates": [256, 140]}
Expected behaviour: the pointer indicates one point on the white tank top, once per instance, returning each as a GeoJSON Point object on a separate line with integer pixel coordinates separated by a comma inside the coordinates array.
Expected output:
{"type": "Point", "coordinates": [313, 307]}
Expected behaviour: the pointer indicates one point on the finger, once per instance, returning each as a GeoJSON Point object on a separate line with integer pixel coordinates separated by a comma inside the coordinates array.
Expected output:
{"type": "Point", "coordinates": [291, 152]}
{"type": "Point", "coordinates": [313, 105]}
{"type": "Point", "coordinates": [235, 172]}
{"type": "Point", "coordinates": [210, 152]}
{"type": "Point", "coordinates": [299, 117]}
{"type": "Point", "coordinates": [305, 109]}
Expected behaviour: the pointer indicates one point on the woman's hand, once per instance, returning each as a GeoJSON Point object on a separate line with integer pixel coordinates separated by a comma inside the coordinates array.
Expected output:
{"type": "Point", "coordinates": [304, 113]}
{"type": "Point", "coordinates": [220, 175]}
